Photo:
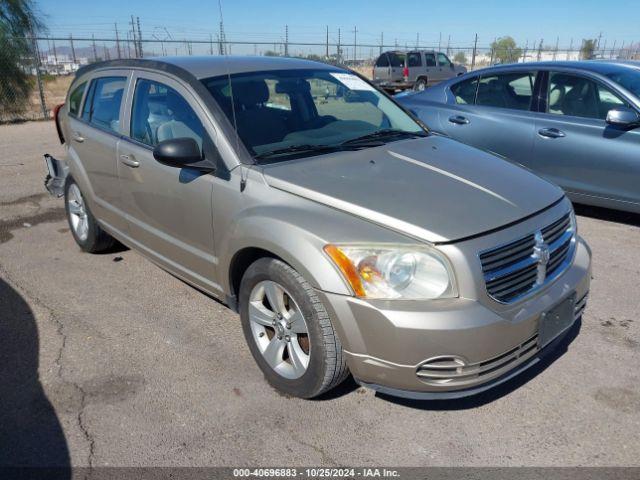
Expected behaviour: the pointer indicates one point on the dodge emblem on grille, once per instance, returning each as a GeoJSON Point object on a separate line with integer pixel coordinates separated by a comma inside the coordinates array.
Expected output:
{"type": "Point", "coordinates": [542, 254]}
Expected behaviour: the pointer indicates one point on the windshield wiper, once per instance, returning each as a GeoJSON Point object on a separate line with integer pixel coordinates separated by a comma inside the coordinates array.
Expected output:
{"type": "Point", "coordinates": [296, 149]}
{"type": "Point", "coordinates": [303, 148]}
{"type": "Point", "coordinates": [386, 133]}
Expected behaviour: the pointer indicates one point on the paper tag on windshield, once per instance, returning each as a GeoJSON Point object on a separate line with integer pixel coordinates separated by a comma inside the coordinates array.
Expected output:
{"type": "Point", "coordinates": [352, 82]}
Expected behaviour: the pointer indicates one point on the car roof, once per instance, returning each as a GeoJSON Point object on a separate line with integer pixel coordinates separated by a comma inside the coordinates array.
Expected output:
{"type": "Point", "coordinates": [212, 66]}
{"type": "Point", "coordinates": [596, 66]}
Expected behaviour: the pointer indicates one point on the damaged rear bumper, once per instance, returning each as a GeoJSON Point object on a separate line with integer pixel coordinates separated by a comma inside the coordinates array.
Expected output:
{"type": "Point", "coordinates": [57, 171]}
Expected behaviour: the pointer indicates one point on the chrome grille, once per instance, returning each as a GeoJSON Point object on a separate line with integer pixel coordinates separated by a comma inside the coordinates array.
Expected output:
{"type": "Point", "coordinates": [516, 269]}
{"type": "Point", "coordinates": [454, 371]}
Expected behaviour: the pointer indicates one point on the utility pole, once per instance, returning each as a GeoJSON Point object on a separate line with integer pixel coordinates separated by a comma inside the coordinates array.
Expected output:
{"type": "Point", "coordinates": [338, 51]}
{"type": "Point", "coordinates": [73, 50]}
{"type": "Point", "coordinates": [93, 42]}
{"type": "Point", "coordinates": [326, 52]}
{"type": "Point", "coordinates": [381, 42]}
{"type": "Point", "coordinates": [439, 40]}
{"type": "Point", "coordinates": [140, 38]}
{"type": "Point", "coordinates": [355, 44]}
{"type": "Point", "coordinates": [612, 49]}
{"type": "Point", "coordinates": [555, 51]}
{"type": "Point", "coordinates": [210, 44]}
{"type": "Point", "coordinates": [286, 40]}
{"type": "Point", "coordinates": [570, 48]}
{"type": "Point", "coordinates": [117, 41]}
{"type": "Point", "coordinates": [36, 61]}
{"type": "Point", "coordinates": [417, 39]}
{"type": "Point", "coordinates": [133, 33]}
{"type": "Point", "coordinates": [106, 52]}
{"type": "Point", "coordinates": [55, 53]}
{"type": "Point", "coordinates": [475, 48]}
{"type": "Point", "coordinates": [448, 46]}
{"type": "Point", "coordinates": [604, 48]}
{"type": "Point", "coordinates": [540, 49]}
{"type": "Point", "coordinates": [524, 54]}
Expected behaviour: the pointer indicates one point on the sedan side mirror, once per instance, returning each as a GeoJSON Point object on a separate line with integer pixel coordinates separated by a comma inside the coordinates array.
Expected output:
{"type": "Point", "coordinates": [181, 153]}
{"type": "Point", "coordinates": [623, 117]}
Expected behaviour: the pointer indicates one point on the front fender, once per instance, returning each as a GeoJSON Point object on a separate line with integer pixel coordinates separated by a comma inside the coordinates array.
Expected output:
{"type": "Point", "coordinates": [284, 233]}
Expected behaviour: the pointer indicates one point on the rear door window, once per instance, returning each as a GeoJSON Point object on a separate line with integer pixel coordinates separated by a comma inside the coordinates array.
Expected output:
{"type": "Point", "coordinates": [507, 90]}
{"type": "Point", "coordinates": [383, 61]}
{"type": "Point", "coordinates": [430, 59]}
{"type": "Point", "coordinates": [396, 59]}
{"type": "Point", "coordinates": [160, 113]}
{"type": "Point", "coordinates": [414, 59]}
{"type": "Point", "coordinates": [102, 107]}
{"type": "Point", "coordinates": [465, 92]}
{"type": "Point", "coordinates": [75, 98]}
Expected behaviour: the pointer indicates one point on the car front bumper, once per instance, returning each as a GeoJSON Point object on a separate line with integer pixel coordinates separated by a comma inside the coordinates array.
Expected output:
{"type": "Point", "coordinates": [389, 343]}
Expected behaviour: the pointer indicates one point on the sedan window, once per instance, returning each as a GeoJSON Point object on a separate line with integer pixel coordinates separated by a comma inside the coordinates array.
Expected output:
{"type": "Point", "coordinates": [160, 113]}
{"type": "Point", "coordinates": [578, 96]}
{"type": "Point", "coordinates": [383, 61]}
{"type": "Point", "coordinates": [102, 107]}
{"type": "Point", "coordinates": [465, 91]}
{"type": "Point", "coordinates": [430, 58]}
{"type": "Point", "coordinates": [443, 60]}
{"type": "Point", "coordinates": [507, 90]}
{"type": "Point", "coordinates": [414, 60]}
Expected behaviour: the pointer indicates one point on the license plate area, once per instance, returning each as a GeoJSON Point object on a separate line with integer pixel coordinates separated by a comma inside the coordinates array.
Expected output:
{"type": "Point", "coordinates": [555, 321]}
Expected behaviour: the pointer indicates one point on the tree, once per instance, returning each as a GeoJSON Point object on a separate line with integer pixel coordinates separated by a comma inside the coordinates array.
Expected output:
{"type": "Point", "coordinates": [588, 49]}
{"type": "Point", "coordinates": [505, 50]}
{"type": "Point", "coordinates": [18, 21]}
{"type": "Point", "coordinates": [460, 58]}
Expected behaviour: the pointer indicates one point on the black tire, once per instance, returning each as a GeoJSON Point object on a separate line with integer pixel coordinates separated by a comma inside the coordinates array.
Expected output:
{"type": "Point", "coordinates": [420, 85]}
{"type": "Point", "coordinates": [327, 367]}
{"type": "Point", "coordinates": [97, 240]}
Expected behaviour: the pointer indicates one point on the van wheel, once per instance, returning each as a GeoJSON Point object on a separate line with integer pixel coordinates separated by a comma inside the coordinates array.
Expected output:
{"type": "Point", "coordinates": [420, 84]}
{"type": "Point", "coordinates": [84, 227]}
{"type": "Point", "coordinates": [289, 331]}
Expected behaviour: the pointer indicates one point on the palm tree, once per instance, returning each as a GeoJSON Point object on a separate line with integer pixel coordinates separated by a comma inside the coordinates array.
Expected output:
{"type": "Point", "coordinates": [19, 20]}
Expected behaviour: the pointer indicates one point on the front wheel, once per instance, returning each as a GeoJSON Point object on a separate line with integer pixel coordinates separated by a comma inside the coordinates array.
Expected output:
{"type": "Point", "coordinates": [420, 85]}
{"type": "Point", "coordinates": [289, 331]}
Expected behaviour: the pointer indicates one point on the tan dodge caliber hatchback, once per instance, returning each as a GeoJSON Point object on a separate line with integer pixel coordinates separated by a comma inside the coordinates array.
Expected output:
{"type": "Point", "coordinates": [348, 237]}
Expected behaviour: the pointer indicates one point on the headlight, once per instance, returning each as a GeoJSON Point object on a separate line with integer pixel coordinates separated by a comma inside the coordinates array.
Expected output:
{"type": "Point", "coordinates": [394, 271]}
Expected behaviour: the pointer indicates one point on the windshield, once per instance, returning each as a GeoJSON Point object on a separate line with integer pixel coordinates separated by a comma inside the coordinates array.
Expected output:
{"type": "Point", "coordinates": [299, 113]}
{"type": "Point", "coordinates": [627, 78]}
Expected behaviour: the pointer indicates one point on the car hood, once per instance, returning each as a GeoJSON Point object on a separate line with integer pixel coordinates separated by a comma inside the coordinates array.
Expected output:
{"type": "Point", "coordinates": [433, 188]}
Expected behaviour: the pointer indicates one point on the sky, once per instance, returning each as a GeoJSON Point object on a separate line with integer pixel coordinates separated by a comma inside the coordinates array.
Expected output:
{"type": "Point", "coordinates": [255, 20]}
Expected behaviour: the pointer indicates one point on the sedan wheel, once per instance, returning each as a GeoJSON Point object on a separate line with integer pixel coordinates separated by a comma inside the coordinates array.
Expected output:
{"type": "Point", "coordinates": [279, 329]}
{"type": "Point", "coordinates": [77, 213]}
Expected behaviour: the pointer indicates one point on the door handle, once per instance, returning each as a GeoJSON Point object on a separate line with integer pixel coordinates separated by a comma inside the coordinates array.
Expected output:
{"type": "Point", "coordinates": [129, 160]}
{"type": "Point", "coordinates": [551, 133]}
{"type": "Point", "coordinates": [78, 138]}
{"type": "Point", "coordinates": [459, 120]}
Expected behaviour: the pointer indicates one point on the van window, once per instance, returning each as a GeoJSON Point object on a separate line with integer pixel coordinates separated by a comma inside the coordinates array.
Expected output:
{"type": "Point", "coordinates": [396, 59]}
{"type": "Point", "coordinates": [102, 107]}
{"type": "Point", "coordinates": [430, 58]}
{"type": "Point", "coordinates": [507, 90]}
{"type": "Point", "coordinates": [383, 61]}
{"type": "Point", "coordinates": [75, 98]}
{"type": "Point", "coordinates": [414, 60]}
{"type": "Point", "coordinates": [465, 92]}
{"type": "Point", "coordinates": [443, 60]}
{"type": "Point", "coordinates": [160, 113]}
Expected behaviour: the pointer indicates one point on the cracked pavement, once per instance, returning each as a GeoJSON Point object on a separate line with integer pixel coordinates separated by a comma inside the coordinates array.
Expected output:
{"type": "Point", "coordinates": [118, 363]}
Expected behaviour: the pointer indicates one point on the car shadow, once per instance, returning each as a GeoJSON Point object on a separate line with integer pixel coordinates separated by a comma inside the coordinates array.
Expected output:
{"type": "Point", "coordinates": [30, 432]}
{"type": "Point", "coordinates": [499, 391]}
{"type": "Point", "coordinates": [601, 213]}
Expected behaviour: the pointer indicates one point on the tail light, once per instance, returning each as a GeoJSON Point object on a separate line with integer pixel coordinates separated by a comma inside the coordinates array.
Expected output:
{"type": "Point", "coordinates": [405, 73]}
{"type": "Point", "coordinates": [56, 111]}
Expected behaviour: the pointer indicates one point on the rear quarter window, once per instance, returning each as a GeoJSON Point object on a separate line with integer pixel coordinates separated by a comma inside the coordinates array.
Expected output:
{"type": "Point", "coordinates": [75, 98]}
{"type": "Point", "coordinates": [102, 106]}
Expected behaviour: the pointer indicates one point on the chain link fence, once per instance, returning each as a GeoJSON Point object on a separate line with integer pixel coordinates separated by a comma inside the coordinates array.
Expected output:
{"type": "Point", "coordinates": [34, 81]}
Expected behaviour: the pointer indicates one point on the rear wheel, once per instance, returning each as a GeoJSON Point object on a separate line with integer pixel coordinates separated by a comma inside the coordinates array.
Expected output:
{"type": "Point", "coordinates": [84, 227]}
{"type": "Point", "coordinates": [289, 331]}
{"type": "Point", "coordinates": [420, 84]}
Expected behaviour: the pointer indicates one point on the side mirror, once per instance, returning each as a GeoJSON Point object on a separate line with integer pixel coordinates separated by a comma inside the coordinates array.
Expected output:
{"type": "Point", "coordinates": [623, 117]}
{"type": "Point", "coordinates": [181, 153]}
